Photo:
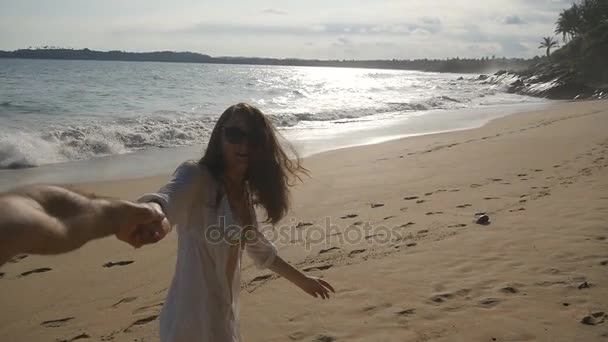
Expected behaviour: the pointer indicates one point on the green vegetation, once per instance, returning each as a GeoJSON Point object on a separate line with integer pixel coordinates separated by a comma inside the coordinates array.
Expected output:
{"type": "Point", "coordinates": [548, 43]}
{"type": "Point", "coordinates": [584, 27]}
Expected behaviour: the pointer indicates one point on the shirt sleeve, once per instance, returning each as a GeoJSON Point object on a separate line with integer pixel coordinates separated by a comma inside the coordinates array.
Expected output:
{"type": "Point", "coordinates": [262, 251]}
{"type": "Point", "coordinates": [175, 197]}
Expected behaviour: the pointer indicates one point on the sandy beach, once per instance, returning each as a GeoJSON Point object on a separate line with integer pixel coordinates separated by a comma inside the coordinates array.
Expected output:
{"type": "Point", "coordinates": [391, 226]}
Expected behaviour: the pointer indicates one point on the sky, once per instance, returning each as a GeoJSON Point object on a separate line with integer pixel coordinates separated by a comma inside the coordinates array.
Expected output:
{"type": "Point", "coordinates": [319, 29]}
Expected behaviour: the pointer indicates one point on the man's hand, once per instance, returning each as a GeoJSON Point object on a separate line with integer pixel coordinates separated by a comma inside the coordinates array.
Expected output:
{"type": "Point", "coordinates": [141, 224]}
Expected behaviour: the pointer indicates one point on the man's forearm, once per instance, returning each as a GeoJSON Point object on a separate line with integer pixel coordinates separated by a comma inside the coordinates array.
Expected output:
{"type": "Point", "coordinates": [51, 220]}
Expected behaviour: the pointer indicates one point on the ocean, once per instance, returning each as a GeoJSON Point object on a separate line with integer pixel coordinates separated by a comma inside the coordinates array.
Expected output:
{"type": "Point", "coordinates": [94, 120]}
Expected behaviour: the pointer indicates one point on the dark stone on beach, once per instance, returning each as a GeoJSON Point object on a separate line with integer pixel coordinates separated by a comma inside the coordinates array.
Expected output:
{"type": "Point", "coordinates": [483, 219]}
{"type": "Point", "coordinates": [482, 77]}
{"type": "Point", "coordinates": [460, 78]}
{"type": "Point", "coordinates": [500, 73]}
{"type": "Point", "coordinates": [516, 86]}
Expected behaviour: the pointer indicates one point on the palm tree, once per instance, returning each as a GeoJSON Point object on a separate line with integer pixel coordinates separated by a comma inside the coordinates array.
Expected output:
{"type": "Point", "coordinates": [570, 22]}
{"type": "Point", "coordinates": [548, 43]}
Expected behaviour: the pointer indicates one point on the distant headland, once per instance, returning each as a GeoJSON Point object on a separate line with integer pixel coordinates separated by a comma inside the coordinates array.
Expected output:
{"type": "Point", "coordinates": [457, 65]}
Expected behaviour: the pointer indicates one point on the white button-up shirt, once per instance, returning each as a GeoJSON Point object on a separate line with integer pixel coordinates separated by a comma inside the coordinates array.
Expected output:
{"type": "Point", "coordinates": [200, 304]}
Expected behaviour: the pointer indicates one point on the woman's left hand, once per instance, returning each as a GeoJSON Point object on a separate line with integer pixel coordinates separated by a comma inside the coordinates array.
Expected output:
{"type": "Point", "coordinates": [316, 287]}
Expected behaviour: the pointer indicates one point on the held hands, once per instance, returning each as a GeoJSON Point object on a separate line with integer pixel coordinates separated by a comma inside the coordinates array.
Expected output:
{"type": "Point", "coordinates": [316, 287]}
{"type": "Point", "coordinates": [141, 224]}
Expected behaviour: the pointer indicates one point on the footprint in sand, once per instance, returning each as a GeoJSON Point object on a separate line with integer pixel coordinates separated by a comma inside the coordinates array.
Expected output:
{"type": "Point", "coordinates": [18, 258]}
{"type": "Point", "coordinates": [376, 205]}
{"type": "Point", "coordinates": [348, 216]}
{"type": "Point", "coordinates": [407, 312]}
{"type": "Point", "coordinates": [454, 190]}
{"type": "Point", "coordinates": [594, 318]}
{"type": "Point", "coordinates": [141, 322]}
{"type": "Point", "coordinates": [584, 285]}
{"type": "Point", "coordinates": [376, 307]}
{"type": "Point", "coordinates": [519, 209]}
{"type": "Point", "coordinates": [388, 217]}
{"type": "Point", "coordinates": [117, 263]}
{"type": "Point", "coordinates": [56, 323]}
{"type": "Point", "coordinates": [328, 250]}
{"type": "Point", "coordinates": [491, 198]}
{"type": "Point", "coordinates": [303, 224]}
{"type": "Point", "coordinates": [509, 289]}
{"type": "Point", "coordinates": [324, 338]}
{"type": "Point", "coordinates": [297, 335]}
{"type": "Point", "coordinates": [405, 225]}
{"type": "Point", "coordinates": [260, 278]}
{"type": "Point", "coordinates": [75, 338]}
{"type": "Point", "coordinates": [318, 268]}
{"type": "Point", "coordinates": [489, 302]}
{"type": "Point", "coordinates": [538, 170]}
{"type": "Point", "coordinates": [409, 198]}
{"type": "Point", "coordinates": [600, 238]}
{"type": "Point", "coordinates": [459, 225]}
{"type": "Point", "coordinates": [466, 205]}
{"type": "Point", "coordinates": [423, 231]}
{"type": "Point", "coordinates": [496, 179]}
{"type": "Point", "coordinates": [355, 252]}
{"type": "Point", "coordinates": [38, 270]}
{"type": "Point", "coordinates": [404, 209]}
{"type": "Point", "coordinates": [475, 185]}
{"type": "Point", "coordinates": [604, 263]}
{"type": "Point", "coordinates": [411, 244]}
{"type": "Point", "coordinates": [358, 223]}
{"type": "Point", "coordinates": [442, 297]}
{"type": "Point", "coordinates": [522, 175]}
{"type": "Point", "coordinates": [143, 309]}
{"type": "Point", "coordinates": [420, 201]}
{"type": "Point", "coordinates": [434, 213]}
{"type": "Point", "coordinates": [124, 301]}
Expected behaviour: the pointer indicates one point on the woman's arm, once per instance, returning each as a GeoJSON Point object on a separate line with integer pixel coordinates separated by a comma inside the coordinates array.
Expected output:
{"type": "Point", "coordinates": [311, 285]}
{"type": "Point", "coordinates": [175, 198]}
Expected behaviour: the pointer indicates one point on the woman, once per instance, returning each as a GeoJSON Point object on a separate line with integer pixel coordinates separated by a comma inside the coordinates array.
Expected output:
{"type": "Point", "coordinates": [212, 205]}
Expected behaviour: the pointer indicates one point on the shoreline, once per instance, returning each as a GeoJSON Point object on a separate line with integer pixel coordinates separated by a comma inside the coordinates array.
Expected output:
{"type": "Point", "coordinates": [536, 272]}
{"type": "Point", "coordinates": [161, 161]}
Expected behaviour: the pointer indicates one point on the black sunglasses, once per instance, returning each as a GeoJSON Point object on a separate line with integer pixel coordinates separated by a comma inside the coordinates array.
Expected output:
{"type": "Point", "coordinates": [235, 135]}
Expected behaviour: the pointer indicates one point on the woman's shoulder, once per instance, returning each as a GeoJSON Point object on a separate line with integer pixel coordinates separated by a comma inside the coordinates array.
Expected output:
{"type": "Point", "coordinates": [193, 170]}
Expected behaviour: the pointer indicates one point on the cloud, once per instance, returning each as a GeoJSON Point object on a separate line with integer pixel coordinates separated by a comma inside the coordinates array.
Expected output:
{"type": "Point", "coordinates": [327, 29]}
{"type": "Point", "coordinates": [430, 20]}
{"type": "Point", "coordinates": [512, 20]}
{"type": "Point", "coordinates": [343, 41]}
{"type": "Point", "coordinates": [512, 47]}
{"type": "Point", "coordinates": [274, 11]}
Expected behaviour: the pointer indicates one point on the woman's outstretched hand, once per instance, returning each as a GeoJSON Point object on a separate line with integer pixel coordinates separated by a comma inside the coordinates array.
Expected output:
{"type": "Point", "coordinates": [313, 286]}
{"type": "Point", "coordinates": [316, 287]}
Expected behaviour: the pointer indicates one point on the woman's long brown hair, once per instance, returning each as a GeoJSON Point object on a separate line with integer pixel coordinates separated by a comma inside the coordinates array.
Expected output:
{"type": "Point", "coordinates": [270, 172]}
